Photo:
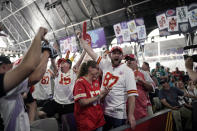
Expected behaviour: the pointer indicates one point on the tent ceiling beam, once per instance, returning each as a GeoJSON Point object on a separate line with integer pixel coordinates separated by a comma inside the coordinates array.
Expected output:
{"type": "Point", "coordinates": [89, 11]}
{"type": "Point", "coordinates": [26, 5]}
{"type": "Point", "coordinates": [61, 17]}
{"type": "Point", "coordinates": [20, 21]}
{"type": "Point", "coordinates": [66, 13]}
{"type": "Point", "coordinates": [45, 19]}
{"type": "Point", "coordinates": [95, 18]}
{"type": "Point", "coordinates": [12, 30]}
{"type": "Point", "coordinates": [93, 6]}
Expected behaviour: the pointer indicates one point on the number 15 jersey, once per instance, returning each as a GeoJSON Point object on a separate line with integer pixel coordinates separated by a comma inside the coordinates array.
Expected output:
{"type": "Point", "coordinates": [63, 89]}
{"type": "Point", "coordinates": [122, 82]}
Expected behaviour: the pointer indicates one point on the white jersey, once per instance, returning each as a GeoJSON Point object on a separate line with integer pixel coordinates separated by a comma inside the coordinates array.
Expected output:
{"type": "Point", "coordinates": [122, 82]}
{"type": "Point", "coordinates": [63, 89]}
{"type": "Point", "coordinates": [43, 90]}
{"type": "Point", "coordinates": [12, 109]}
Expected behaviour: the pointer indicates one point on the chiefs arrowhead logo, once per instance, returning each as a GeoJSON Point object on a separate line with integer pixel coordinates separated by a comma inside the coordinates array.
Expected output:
{"type": "Point", "coordinates": [170, 12]}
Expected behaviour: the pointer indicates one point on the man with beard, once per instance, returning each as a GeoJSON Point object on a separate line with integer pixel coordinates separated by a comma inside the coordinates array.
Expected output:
{"type": "Point", "coordinates": [120, 79]}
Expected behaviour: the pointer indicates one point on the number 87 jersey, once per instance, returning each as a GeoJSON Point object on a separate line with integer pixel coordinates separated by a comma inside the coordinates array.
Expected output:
{"type": "Point", "coordinates": [43, 89]}
{"type": "Point", "coordinates": [122, 83]}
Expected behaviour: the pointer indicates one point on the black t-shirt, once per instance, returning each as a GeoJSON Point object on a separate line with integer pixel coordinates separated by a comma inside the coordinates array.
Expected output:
{"type": "Point", "coordinates": [29, 99]}
{"type": "Point", "coordinates": [2, 90]}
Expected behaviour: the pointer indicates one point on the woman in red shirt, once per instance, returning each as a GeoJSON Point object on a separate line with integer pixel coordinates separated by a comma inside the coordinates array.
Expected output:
{"type": "Point", "coordinates": [87, 94]}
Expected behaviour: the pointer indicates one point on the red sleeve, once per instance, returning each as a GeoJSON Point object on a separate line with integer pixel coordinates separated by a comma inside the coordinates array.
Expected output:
{"type": "Point", "coordinates": [79, 91]}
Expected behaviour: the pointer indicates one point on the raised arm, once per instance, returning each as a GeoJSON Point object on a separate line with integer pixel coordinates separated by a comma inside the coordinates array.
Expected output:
{"type": "Point", "coordinates": [189, 66]}
{"type": "Point", "coordinates": [27, 66]}
{"type": "Point", "coordinates": [88, 49]}
{"type": "Point", "coordinates": [76, 66]}
{"type": "Point", "coordinates": [40, 70]}
{"type": "Point", "coordinates": [55, 69]}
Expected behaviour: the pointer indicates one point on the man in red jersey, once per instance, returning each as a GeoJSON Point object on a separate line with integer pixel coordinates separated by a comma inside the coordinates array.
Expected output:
{"type": "Point", "coordinates": [144, 85]}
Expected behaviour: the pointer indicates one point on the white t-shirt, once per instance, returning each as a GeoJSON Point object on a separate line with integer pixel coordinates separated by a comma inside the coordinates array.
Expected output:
{"type": "Point", "coordinates": [7, 106]}
{"type": "Point", "coordinates": [148, 79]}
{"type": "Point", "coordinates": [43, 90]}
{"type": "Point", "coordinates": [63, 89]}
{"type": "Point", "coordinates": [122, 81]}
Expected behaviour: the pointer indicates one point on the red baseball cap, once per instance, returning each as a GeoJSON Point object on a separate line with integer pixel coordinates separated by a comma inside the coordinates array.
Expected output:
{"type": "Point", "coordinates": [130, 57]}
{"type": "Point", "coordinates": [116, 48]}
{"type": "Point", "coordinates": [64, 60]}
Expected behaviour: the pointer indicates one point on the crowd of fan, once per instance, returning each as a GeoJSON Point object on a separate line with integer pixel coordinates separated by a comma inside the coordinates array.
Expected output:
{"type": "Point", "coordinates": [99, 94]}
{"type": "Point", "coordinates": [175, 91]}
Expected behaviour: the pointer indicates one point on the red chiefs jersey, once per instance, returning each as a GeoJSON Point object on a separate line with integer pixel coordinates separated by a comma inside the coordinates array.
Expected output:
{"type": "Point", "coordinates": [89, 117]}
{"type": "Point", "coordinates": [141, 102]}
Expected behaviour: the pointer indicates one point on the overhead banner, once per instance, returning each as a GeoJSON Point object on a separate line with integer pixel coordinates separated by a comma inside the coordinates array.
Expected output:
{"type": "Point", "coordinates": [68, 43]}
{"type": "Point", "coordinates": [175, 21]}
{"type": "Point", "coordinates": [98, 38]}
{"type": "Point", "coordinates": [193, 17]}
{"type": "Point", "coordinates": [131, 31]}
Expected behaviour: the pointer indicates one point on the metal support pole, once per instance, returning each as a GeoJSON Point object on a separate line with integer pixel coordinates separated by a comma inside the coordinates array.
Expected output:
{"type": "Point", "coordinates": [68, 16]}
{"type": "Point", "coordinates": [14, 30]}
{"type": "Point", "coordinates": [86, 9]}
{"type": "Point", "coordinates": [95, 11]}
{"type": "Point", "coordinates": [19, 22]}
{"type": "Point", "coordinates": [18, 10]}
{"type": "Point", "coordinates": [45, 19]}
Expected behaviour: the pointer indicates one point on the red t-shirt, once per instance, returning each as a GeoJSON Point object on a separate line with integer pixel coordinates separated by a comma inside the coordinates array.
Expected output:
{"type": "Point", "coordinates": [87, 117]}
{"type": "Point", "coordinates": [141, 102]}
{"type": "Point", "coordinates": [178, 75]}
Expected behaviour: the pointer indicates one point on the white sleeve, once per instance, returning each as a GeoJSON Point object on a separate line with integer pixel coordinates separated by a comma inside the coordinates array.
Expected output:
{"type": "Point", "coordinates": [22, 87]}
{"type": "Point", "coordinates": [102, 62]}
{"type": "Point", "coordinates": [149, 79]}
{"type": "Point", "coordinates": [130, 82]}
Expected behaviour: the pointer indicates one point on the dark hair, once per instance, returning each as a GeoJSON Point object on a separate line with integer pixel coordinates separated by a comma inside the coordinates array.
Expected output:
{"type": "Point", "coordinates": [163, 81]}
{"type": "Point", "coordinates": [146, 64]}
{"type": "Point", "coordinates": [4, 60]}
{"type": "Point", "coordinates": [84, 68]}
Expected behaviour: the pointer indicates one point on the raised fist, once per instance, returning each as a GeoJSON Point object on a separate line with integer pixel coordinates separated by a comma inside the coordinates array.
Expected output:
{"type": "Point", "coordinates": [42, 32]}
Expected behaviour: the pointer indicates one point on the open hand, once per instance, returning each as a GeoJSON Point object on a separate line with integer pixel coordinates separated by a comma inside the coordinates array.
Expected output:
{"type": "Point", "coordinates": [132, 122]}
